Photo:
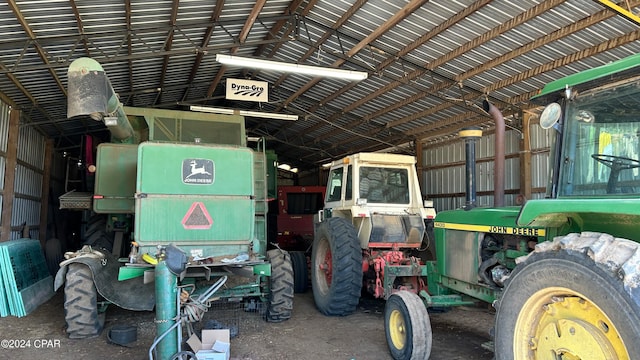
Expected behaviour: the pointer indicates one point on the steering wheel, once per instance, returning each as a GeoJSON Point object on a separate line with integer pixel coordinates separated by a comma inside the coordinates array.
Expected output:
{"type": "Point", "coordinates": [616, 163]}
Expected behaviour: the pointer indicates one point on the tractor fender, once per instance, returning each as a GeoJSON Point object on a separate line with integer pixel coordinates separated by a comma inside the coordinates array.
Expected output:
{"type": "Point", "coordinates": [130, 294]}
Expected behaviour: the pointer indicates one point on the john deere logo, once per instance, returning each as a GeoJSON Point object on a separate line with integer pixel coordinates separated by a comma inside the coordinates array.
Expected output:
{"type": "Point", "coordinates": [197, 171]}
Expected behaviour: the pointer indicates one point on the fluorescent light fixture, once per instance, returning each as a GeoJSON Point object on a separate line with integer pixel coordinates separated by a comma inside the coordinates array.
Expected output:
{"type": "Point", "coordinates": [259, 114]}
{"type": "Point", "coordinates": [292, 68]}
{"type": "Point", "coordinates": [287, 167]}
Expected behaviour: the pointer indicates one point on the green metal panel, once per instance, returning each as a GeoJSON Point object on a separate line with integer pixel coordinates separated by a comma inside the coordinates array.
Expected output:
{"type": "Point", "coordinates": [481, 219]}
{"type": "Point", "coordinates": [192, 194]}
{"type": "Point", "coordinates": [260, 182]}
{"type": "Point", "coordinates": [190, 169]}
{"type": "Point", "coordinates": [115, 178]}
{"type": "Point", "coordinates": [272, 174]}
{"type": "Point", "coordinates": [583, 214]}
{"type": "Point", "coordinates": [456, 233]}
{"type": "Point", "coordinates": [260, 170]}
{"type": "Point", "coordinates": [187, 126]}
{"type": "Point", "coordinates": [196, 219]}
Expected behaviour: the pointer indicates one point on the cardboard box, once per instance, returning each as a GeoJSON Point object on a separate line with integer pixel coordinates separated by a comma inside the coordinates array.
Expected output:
{"type": "Point", "coordinates": [215, 345]}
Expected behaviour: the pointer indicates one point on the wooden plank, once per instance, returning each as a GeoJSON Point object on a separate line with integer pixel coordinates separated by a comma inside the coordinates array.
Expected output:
{"type": "Point", "coordinates": [8, 193]}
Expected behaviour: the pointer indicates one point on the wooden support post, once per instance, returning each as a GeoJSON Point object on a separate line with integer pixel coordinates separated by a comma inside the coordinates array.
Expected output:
{"type": "Point", "coordinates": [8, 193]}
{"type": "Point", "coordinates": [44, 200]}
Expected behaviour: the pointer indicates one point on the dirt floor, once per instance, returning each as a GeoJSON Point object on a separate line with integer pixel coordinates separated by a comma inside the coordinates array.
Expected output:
{"type": "Point", "coordinates": [457, 334]}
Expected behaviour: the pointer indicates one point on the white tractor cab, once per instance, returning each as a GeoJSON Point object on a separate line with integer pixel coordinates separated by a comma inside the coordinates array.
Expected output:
{"type": "Point", "coordinates": [374, 216]}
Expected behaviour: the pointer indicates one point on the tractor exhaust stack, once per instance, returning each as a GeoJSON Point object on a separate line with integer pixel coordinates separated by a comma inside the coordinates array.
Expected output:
{"type": "Point", "coordinates": [498, 167]}
{"type": "Point", "coordinates": [470, 135]}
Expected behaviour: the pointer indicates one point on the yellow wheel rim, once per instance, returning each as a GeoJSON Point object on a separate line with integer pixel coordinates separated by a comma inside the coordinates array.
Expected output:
{"type": "Point", "coordinates": [397, 329]}
{"type": "Point", "coordinates": [558, 323]}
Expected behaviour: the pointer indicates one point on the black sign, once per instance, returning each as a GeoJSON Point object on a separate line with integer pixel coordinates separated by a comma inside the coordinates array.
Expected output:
{"type": "Point", "coordinates": [197, 171]}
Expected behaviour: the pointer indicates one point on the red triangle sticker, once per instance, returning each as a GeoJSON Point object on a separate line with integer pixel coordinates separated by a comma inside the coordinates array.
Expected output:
{"type": "Point", "coordinates": [197, 217]}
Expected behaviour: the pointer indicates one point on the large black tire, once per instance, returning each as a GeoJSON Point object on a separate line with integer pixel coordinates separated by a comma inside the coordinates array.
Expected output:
{"type": "Point", "coordinates": [96, 234]}
{"type": "Point", "coordinates": [281, 286]}
{"type": "Point", "coordinates": [336, 267]}
{"type": "Point", "coordinates": [80, 303]}
{"type": "Point", "coordinates": [576, 297]}
{"type": "Point", "coordinates": [300, 271]}
{"type": "Point", "coordinates": [53, 255]}
{"type": "Point", "coordinates": [407, 327]}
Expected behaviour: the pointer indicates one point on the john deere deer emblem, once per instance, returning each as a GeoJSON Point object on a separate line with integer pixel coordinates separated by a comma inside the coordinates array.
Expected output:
{"type": "Point", "coordinates": [197, 171]}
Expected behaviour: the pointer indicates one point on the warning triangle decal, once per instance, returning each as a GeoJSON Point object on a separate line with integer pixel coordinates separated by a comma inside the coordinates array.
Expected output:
{"type": "Point", "coordinates": [197, 217]}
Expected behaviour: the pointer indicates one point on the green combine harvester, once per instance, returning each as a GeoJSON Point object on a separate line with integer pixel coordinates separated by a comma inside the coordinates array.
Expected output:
{"type": "Point", "coordinates": [562, 272]}
{"type": "Point", "coordinates": [177, 192]}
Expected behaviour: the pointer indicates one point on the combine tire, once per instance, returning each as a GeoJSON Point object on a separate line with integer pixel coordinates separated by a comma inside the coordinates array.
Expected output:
{"type": "Point", "coordinates": [96, 235]}
{"type": "Point", "coordinates": [281, 286]}
{"type": "Point", "coordinates": [407, 327]}
{"type": "Point", "coordinates": [577, 297]}
{"type": "Point", "coordinates": [300, 271]}
{"type": "Point", "coordinates": [336, 267]}
{"type": "Point", "coordinates": [80, 303]}
{"type": "Point", "coordinates": [53, 255]}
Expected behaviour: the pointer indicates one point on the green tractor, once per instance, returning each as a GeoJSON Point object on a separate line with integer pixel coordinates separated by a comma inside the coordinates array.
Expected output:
{"type": "Point", "coordinates": [173, 188]}
{"type": "Point", "coordinates": [563, 272]}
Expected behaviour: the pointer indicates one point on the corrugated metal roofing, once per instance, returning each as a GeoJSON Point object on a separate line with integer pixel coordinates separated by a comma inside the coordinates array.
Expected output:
{"type": "Point", "coordinates": [429, 67]}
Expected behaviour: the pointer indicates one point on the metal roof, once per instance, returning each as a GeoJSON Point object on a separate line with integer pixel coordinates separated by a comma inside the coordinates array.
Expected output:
{"type": "Point", "coordinates": [430, 63]}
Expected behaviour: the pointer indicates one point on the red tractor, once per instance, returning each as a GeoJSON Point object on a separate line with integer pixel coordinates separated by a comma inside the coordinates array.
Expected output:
{"type": "Point", "coordinates": [297, 206]}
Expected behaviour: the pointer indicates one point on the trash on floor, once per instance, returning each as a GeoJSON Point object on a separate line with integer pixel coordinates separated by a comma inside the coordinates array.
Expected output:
{"type": "Point", "coordinates": [215, 345]}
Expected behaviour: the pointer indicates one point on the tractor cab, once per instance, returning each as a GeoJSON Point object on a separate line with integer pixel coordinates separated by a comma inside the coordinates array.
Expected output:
{"type": "Point", "coordinates": [598, 143]}
{"type": "Point", "coordinates": [594, 118]}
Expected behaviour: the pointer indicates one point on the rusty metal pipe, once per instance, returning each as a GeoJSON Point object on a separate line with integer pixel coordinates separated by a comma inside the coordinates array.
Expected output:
{"type": "Point", "coordinates": [498, 167]}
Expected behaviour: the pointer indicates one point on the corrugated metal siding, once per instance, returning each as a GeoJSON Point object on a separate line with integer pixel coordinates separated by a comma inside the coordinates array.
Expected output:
{"type": "Point", "coordinates": [25, 211]}
{"type": "Point", "coordinates": [4, 129]}
{"type": "Point", "coordinates": [28, 181]}
{"type": "Point", "coordinates": [442, 182]}
{"type": "Point", "coordinates": [28, 177]}
{"type": "Point", "coordinates": [58, 175]}
{"type": "Point", "coordinates": [540, 144]}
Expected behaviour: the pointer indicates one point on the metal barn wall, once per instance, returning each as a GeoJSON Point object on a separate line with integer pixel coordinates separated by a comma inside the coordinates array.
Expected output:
{"type": "Point", "coordinates": [444, 171]}
{"type": "Point", "coordinates": [28, 184]}
{"type": "Point", "coordinates": [4, 134]}
{"type": "Point", "coordinates": [28, 177]}
{"type": "Point", "coordinates": [58, 178]}
{"type": "Point", "coordinates": [541, 141]}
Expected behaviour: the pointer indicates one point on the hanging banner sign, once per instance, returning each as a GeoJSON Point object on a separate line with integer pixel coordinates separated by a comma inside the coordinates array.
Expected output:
{"type": "Point", "coordinates": [247, 90]}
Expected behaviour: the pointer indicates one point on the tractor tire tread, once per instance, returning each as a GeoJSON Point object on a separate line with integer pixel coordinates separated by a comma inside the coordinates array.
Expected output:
{"type": "Point", "coordinates": [80, 303]}
{"type": "Point", "coordinates": [281, 286]}
{"type": "Point", "coordinates": [300, 271]}
{"type": "Point", "coordinates": [419, 336]}
{"type": "Point", "coordinates": [344, 293]}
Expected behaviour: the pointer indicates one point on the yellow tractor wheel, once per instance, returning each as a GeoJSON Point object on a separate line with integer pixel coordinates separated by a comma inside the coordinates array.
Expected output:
{"type": "Point", "coordinates": [563, 304]}
{"type": "Point", "coordinates": [407, 327]}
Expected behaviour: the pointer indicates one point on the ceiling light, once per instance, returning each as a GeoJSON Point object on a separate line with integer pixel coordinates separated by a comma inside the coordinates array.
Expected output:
{"type": "Point", "coordinates": [259, 114]}
{"type": "Point", "coordinates": [292, 68]}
